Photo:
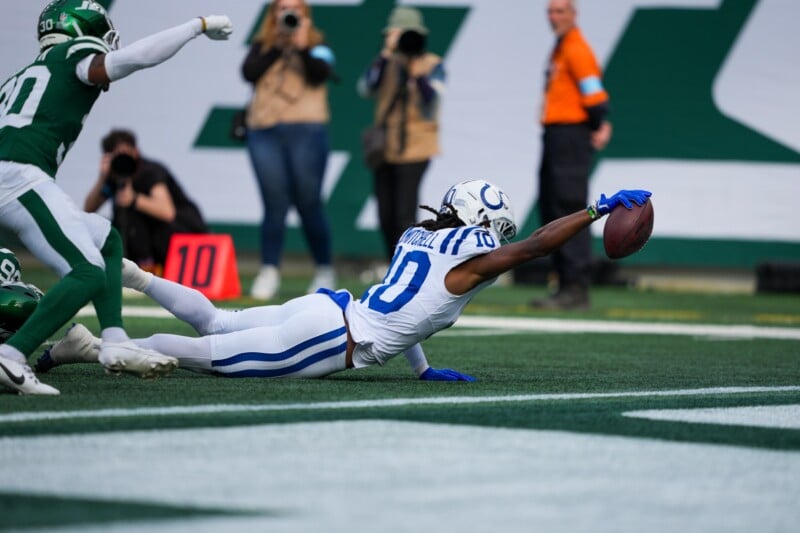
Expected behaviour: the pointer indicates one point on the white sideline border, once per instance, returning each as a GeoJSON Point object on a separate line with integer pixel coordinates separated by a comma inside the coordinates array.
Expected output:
{"type": "Point", "coordinates": [373, 404]}
{"type": "Point", "coordinates": [557, 325]}
{"type": "Point", "coordinates": [767, 416]}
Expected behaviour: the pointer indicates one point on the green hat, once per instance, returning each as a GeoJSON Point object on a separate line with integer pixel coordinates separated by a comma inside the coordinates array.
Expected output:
{"type": "Point", "coordinates": [406, 18]}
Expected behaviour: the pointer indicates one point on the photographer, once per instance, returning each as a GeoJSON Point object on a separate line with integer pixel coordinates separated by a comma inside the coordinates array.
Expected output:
{"type": "Point", "coordinates": [407, 82]}
{"type": "Point", "coordinates": [148, 204]}
{"type": "Point", "coordinates": [287, 136]}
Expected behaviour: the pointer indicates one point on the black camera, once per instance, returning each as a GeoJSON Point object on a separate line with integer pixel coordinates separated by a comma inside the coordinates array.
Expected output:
{"type": "Point", "coordinates": [412, 43]}
{"type": "Point", "coordinates": [124, 165]}
{"type": "Point", "coordinates": [289, 20]}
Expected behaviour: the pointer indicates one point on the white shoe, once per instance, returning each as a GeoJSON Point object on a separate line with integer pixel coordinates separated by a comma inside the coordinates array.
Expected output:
{"type": "Point", "coordinates": [77, 346]}
{"type": "Point", "coordinates": [267, 283]}
{"type": "Point", "coordinates": [324, 278]}
{"type": "Point", "coordinates": [22, 379]}
{"type": "Point", "coordinates": [134, 277]}
{"type": "Point", "coordinates": [127, 357]}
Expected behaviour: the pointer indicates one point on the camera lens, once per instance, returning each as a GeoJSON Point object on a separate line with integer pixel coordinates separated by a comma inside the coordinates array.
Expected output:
{"type": "Point", "coordinates": [290, 20]}
{"type": "Point", "coordinates": [411, 43]}
{"type": "Point", "coordinates": [123, 165]}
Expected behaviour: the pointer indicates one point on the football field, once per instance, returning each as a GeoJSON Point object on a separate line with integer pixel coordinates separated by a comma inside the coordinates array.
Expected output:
{"type": "Point", "coordinates": [654, 411]}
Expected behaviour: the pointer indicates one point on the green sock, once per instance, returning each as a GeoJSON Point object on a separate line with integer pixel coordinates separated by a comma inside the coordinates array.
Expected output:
{"type": "Point", "coordinates": [108, 302]}
{"type": "Point", "coordinates": [57, 306]}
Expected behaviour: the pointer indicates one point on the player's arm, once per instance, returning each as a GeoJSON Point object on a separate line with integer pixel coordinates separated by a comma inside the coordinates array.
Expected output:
{"type": "Point", "coordinates": [416, 358]}
{"type": "Point", "coordinates": [540, 243]}
{"type": "Point", "coordinates": [102, 69]}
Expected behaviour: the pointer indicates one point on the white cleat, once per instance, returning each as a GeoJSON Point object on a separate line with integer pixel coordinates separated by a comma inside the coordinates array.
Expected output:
{"type": "Point", "coordinates": [267, 283]}
{"type": "Point", "coordinates": [21, 378]}
{"type": "Point", "coordinates": [324, 278]}
{"type": "Point", "coordinates": [134, 277]}
{"type": "Point", "coordinates": [119, 357]}
{"type": "Point", "coordinates": [77, 346]}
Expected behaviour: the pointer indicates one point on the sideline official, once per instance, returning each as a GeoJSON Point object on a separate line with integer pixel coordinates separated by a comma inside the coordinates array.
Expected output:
{"type": "Point", "coordinates": [575, 126]}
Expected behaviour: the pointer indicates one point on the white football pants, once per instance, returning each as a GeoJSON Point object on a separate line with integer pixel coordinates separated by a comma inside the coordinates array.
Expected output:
{"type": "Point", "coordinates": [303, 338]}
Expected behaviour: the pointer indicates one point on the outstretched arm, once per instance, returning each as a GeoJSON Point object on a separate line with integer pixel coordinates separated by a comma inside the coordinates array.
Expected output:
{"type": "Point", "coordinates": [541, 242]}
{"type": "Point", "coordinates": [102, 69]}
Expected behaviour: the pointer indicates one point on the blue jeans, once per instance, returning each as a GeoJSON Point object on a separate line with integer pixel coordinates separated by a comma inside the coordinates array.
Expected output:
{"type": "Point", "coordinates": [289, 161]}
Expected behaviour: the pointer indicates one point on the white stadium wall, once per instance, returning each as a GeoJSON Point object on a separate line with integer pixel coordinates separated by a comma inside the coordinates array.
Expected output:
{"type": "Point", "coordinates": [703, 101]}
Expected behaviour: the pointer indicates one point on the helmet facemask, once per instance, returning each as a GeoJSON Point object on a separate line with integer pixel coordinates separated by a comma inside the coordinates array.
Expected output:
{"type": "Point", "coordinates": [480, 203]}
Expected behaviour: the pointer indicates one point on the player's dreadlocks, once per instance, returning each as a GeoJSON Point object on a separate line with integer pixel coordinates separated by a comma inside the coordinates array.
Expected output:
{"type": "Point", "coordinates": [449, 219]}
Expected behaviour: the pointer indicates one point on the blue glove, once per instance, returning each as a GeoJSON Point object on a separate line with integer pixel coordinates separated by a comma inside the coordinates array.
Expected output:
{"type": "Point", "coordinates": [605, 205]}
{"type": "Point", "coordinates": [445, 374]}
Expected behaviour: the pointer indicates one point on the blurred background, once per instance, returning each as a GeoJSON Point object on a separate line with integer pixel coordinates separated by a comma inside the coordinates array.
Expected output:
{"type": "Point", "coordinates": [703, 98]}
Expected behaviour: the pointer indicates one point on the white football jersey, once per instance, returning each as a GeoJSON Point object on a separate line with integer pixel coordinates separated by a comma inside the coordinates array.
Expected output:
{"type": "Point", "coordinates": [412, 303]}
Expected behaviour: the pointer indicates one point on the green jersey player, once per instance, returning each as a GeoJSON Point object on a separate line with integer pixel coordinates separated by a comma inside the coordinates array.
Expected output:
{"type": "Point", "coordinates": [9, 266]}
{"type": "Point", "coordinates": [17, 299]}
{"type": "Point", "coordinates": [42, 109]}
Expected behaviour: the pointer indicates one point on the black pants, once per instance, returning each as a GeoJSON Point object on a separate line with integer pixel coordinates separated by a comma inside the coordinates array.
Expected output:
{"type": "Point", "coordinates": [146, 239]}
{"type": "Point", "coordinates": [397, 192]}
{"type": "Point", "coordinates": [563, 189]}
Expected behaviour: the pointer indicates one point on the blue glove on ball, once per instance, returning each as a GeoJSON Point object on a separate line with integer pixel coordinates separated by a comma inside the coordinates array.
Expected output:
{"type": "Point", "coordinates": [445, 374]}
{"type": "Point", "coordinates": [605, 205]}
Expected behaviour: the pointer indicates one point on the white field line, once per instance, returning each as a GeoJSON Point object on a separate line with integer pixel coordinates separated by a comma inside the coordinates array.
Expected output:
{"type": "Point", "coordinates": [372, 404]}
{"type": "Point", "coordinates": [557, 325]}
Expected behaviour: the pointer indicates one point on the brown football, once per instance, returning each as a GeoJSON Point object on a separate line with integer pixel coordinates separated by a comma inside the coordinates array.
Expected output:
{"type": "Point", "coordinates": [627, 230]}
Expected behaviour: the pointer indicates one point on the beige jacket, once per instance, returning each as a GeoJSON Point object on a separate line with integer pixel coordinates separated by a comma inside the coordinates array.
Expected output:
{"type": "Point", "coordinates": [422, 133]}
{"type": "Point", "coordinates": [281, 95]}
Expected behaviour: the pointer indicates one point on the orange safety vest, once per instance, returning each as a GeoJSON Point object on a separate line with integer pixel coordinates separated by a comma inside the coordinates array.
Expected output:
{"type": "Point", "coordinates": [574, 81]}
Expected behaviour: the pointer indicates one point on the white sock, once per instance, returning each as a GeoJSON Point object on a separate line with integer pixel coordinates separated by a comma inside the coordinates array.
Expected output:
{"type": "Point", "coordinates": [114, 335]}
{"type": "Point", "coordinates": [9, 352]}
{"type": "Point", "coordinates": [186, 303]}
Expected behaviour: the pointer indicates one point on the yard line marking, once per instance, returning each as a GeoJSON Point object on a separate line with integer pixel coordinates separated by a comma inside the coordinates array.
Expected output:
{"type": "Point", "coordinates": [360, 404]}
{"type": "Point", "coordinates": [557, 325]}
{"type": "Point", "coordinates": [768, 416]}
{"type": "Point", "coordinates": [554, 325]}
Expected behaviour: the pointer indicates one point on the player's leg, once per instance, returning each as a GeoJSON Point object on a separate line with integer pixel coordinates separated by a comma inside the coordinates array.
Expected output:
{"type": "Point", "coordinates": [186, 303]}
{"type": "Point", "coordinates": [192, 306]}
{"type": "Point", "coordinates": [117, 352]}
{"type": "Point", "coordinates": [50, 226]}
{"type": "Point", "coordinates": [309, 342]}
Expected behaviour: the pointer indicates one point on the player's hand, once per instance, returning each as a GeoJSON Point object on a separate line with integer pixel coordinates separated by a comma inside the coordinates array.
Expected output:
{"type": "Point", "coordinates": [217, 27]}
{"type": "Point", "coordinates": [445, 374]}
{"type": "Point", "coordinates": [624, 197]}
